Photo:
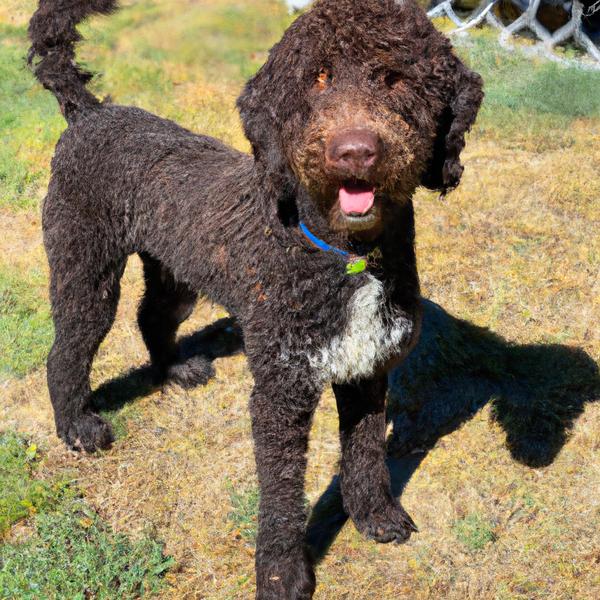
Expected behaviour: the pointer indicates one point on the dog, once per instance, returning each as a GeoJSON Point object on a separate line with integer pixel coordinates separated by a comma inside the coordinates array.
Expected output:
{"type": "Point", "coordinates": [308, 242]}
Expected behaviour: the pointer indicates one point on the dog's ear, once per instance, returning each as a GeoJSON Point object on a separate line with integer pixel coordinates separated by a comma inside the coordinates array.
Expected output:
{"type": "Point", "coordinates": [273, 103]}
{"type": "Point", "coordinates": [261, 124]}
{"type": "Point", "coordinates": [270, 100]}
{"type": "Point", "coordinates": [263, 128]}
{"type": "Point", "coordinates": [465, 95]}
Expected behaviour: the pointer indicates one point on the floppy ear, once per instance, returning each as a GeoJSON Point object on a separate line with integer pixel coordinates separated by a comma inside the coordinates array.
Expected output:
{"type": "Point", "coordinates": [271, 106]}
{"type": "Point", "coordinates": [262, 120]}
{"type": "Point", "coordinates": [262, 125]}
{"type": "Point", "coordinates": [444, 171]}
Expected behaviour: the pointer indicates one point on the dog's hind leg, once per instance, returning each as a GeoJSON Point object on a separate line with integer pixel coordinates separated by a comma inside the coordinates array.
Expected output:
{"type": "Point", "coordinates": [84, 303]}
{"type": "Point", "coordinates": [166, 304]}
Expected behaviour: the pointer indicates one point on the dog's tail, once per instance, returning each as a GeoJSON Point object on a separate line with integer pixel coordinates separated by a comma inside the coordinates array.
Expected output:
{"type": "Point", "coordinates": [53, 33]}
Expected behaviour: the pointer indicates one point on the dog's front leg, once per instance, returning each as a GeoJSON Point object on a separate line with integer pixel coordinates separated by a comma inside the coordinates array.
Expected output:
{"type": "Point", "coordinates": [364, 476]}
{"type": "Point", "coordinates": [281, 411]}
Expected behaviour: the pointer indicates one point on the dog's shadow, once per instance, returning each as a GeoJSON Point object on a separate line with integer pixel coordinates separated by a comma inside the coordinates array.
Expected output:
{"type": "Point", "coordinates": [536, 393]}
{"type": "Point", "coordinates": [219, 339]}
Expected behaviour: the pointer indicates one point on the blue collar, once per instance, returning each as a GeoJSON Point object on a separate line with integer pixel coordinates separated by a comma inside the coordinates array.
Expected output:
{"type": "Point", "coordinates": [354, 264]}
{"type": "Point", "coordinates": [319, 243]}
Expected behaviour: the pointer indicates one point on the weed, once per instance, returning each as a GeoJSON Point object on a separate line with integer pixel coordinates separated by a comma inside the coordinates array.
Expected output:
{"type": "Point", "coordinates": [474, 532]}
{"type": "Point", "coordinates": [20, 494]}
{"type": "Point", "coordinates": [71, 553]}
{"type": "Point", "coordinates": [244, 513]}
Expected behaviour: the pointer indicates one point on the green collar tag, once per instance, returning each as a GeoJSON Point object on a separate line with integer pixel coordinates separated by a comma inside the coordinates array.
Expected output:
{"type": "Point", "coordinates": [356, 266]}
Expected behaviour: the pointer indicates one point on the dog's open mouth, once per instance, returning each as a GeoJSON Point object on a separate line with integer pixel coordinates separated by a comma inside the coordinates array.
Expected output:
{"type": "Point", "coordinates": [356, 198]}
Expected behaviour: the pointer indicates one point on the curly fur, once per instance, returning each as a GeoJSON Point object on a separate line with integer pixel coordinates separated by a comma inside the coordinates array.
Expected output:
{"type": "Point", "coordinates": [207, 219]}
{"type": "Point", "coordinates": [374, 333]}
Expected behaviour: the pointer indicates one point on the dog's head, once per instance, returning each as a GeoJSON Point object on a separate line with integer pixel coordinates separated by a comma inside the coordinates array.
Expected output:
{"type": "Point", "coordinates": [360, 102]}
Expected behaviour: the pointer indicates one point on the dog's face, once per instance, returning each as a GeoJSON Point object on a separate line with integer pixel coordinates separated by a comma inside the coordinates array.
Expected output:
{"type": "Point", "coordinates": [361, 102]}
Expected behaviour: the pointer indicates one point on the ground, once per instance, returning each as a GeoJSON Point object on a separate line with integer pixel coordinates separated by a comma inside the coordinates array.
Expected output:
{"type": "Point", "coordinates": [515, 249]}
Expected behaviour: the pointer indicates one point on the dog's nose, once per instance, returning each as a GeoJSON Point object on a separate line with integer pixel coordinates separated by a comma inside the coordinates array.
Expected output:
{"type": "Point", "coordinates": [353, 151]}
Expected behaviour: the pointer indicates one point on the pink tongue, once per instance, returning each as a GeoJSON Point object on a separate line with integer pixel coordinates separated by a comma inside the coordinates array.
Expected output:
{"type": "Point", "coordinates": [356, 200]}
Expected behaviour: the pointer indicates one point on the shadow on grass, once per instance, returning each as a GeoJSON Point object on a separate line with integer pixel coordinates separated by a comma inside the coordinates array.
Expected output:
{"type": "Point", "coordinates": [221, 338]}
{"type": "Point", "coordinates": [536, 393]}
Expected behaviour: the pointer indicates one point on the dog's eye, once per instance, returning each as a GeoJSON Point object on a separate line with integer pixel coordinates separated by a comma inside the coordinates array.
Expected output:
{"type": "Point", "coordinates": [324, 78]}
{"type": "Point", "coordinates": [393, 79]}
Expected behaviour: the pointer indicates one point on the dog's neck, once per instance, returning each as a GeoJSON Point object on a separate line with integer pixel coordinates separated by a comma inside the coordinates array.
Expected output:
{"type": "Point", "coordinates": [398, 225]}
{"type": "Point", "coordinates": [389, 255]}
{"type": "Point", "coordinates": [282, 212]}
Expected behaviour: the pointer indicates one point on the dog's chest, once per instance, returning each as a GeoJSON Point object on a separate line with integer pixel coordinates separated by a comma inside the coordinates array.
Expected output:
{"type": "Point", "coordinates": [373, 334]}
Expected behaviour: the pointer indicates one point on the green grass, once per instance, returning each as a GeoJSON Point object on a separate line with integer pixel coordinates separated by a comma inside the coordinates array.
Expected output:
{"type": "Point", "coordinates": [29, 124]}
{"type": "Point", "coordinates": [244, 512]}
{"type": "Point", "coordinates": [70, 553]}
{"type": "Point", "coordinates": [25, 326]}
{"type": "Point", "coordinates": [474, 532]}
{"type": "Point", "coordinates": [228, 41]}
{"type": "Point", "coordinates": [17, 182]}
{"type": "Point", "coordinates": [74, 555]}
{"type": "Point", "coordinates": [20, 494]}
{"type": "Point", "coordinates": [528, 102]}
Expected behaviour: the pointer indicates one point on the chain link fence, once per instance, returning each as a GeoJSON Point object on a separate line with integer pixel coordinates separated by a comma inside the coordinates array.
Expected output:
{"type": "Point", "coordinates": [580, 26]}
{"type": "Point", "coordinates": [550, 23]}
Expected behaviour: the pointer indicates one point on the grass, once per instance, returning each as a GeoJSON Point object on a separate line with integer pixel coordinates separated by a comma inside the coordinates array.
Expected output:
{"type": "Point", "coordinates": [530, 107]}
{"type": "Point", "coordinates": [474, 532]}
{"type": "Point", "coordinates": [65, 550]}
{"type": "Point", "coordinates": [139, 65]}
{"type": "Point", "coordinates": [29, 125]}
{"type": "Point", "coordinates": [74, 555]}
{"type": "Point", "coordinates": [244, 512]}
{"type": "Point", "coordinates": [514, 248]}
{"type": "Point", "coordinates": [26, 329]}
{"type": "Point", "coordinates": [20, 494]}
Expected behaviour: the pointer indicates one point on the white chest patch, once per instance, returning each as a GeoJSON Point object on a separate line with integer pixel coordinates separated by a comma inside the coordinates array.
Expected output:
{"type": "Point", "coordinates": [373, 334]}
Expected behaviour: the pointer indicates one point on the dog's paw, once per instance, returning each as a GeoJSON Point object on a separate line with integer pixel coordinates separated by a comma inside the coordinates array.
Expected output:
{"type": "Point", "coordinates": [390, 524]}
{"type": "Point", "coordinates": [194, 371]}
{"type": "Point", "coordinates": [285, 578]}
{"type": "Point", "coordinates": [88, 432]}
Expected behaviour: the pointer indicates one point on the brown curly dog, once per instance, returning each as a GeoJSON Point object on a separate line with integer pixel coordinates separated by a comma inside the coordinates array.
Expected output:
{"type": "Point", "coordinates": [308, 242]}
